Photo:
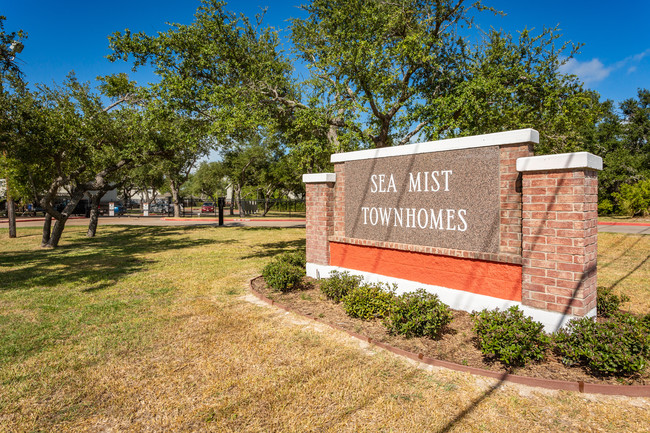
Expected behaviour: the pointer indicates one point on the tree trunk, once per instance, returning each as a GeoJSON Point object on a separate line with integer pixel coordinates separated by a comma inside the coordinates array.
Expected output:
{"type": "Point", "coordinates": [94, 213]}
{"type": "Point", "coordinates": [238, 197]}
{"type": "Point", "coordinates": [146, 199]}
{"type": "Point", "coordinates": [174, 189]}
{"type": "Point", "coordinates": [11, 213]}
{"type": "Point", "coordinates": [57, 231]}
{"type": "Point", "coordinates": [47, 228]}
{"type": "Point", "coordinates": [59, 225]}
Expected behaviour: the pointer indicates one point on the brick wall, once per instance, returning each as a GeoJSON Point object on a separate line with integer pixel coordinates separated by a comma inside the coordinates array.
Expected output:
{"type": "Point", "coordinates": [320, 221]}
{"type": "Point", "coordinates": [339, 200]}
{"type": "Point", "coordinates": [560, 240]}
{"type": "Point", "coordinates": [510, 186]}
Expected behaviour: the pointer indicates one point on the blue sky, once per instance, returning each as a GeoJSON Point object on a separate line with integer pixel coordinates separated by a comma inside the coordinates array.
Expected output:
{"type": "Point", "coordinates": [70, 35]}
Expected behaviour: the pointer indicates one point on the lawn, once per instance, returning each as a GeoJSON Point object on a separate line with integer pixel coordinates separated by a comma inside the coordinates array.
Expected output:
{"type": "Point", "coordinates": [147, 328]}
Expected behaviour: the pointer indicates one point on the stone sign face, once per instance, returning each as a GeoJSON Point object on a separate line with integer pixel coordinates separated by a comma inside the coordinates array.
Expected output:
{"type": "Point", "coordinates": [443, 199]}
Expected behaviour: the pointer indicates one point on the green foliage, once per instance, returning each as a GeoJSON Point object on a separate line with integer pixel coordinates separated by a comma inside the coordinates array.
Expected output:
{"type": "Point", "coordinates": [369, 301]}
{"type": "Point", "coordinates": [281, 275]}
{"type": "Point", "coordinates": [608, 303]}
{"type": "Point", "coordinates": [296, 258]}
{"type": "Point", "coordinates": [509, 336]}
{"type": "Point", "coordinates": [617, 346]}
{"type": "Point", "coordinates": [634, 199]}
{"type": "Point", "coordinates": [339, 284]}
{"type": "Point", "coordinates": [383, 68]}
{"type": "Point", "coordinates": [605, 207]}
{"type": "Point", "coordinates": [645, 321]}
{"type": "Point", "coordinates": [418, 314]}
{"type": "Point", "coordinates": [516, 83]}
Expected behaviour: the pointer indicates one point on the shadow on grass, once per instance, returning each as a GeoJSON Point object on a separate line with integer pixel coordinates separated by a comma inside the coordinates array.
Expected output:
{"type": "Point", "coordinates": [271, 249]}
{"type": "Point", "coordinates": [94, 263]}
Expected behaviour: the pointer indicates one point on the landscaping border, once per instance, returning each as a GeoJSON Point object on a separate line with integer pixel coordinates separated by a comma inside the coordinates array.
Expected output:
{"type": "Point", "coordinates": [582, 387]}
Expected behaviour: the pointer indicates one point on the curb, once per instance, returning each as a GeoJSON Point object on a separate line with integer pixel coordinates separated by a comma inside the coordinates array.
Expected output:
{"type": "Point", "coordinates": [582, 387]}
{"type": "Point", "coordinates": [300, 220]}
{"type": "Point", "coordinates": [614, 223]}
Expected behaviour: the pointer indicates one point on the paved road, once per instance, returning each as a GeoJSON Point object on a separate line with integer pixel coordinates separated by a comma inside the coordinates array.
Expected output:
{"type": "Point", "coordinates": [629, 229]}
{"type": "Point", "coordinates": [229, 222]}
{"type": "Point", "coordinates": [158, 221]}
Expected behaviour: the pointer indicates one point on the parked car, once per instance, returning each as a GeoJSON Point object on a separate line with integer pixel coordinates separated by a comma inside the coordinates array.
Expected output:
{"type": "Point", "coordinates": [208, 207]}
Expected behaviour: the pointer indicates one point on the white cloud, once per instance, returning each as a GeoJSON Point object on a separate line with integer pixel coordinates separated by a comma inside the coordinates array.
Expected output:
{"type": "Point", "coordinates": [590, 72]}
{"type": "Point", "coordinates": [640, 56]}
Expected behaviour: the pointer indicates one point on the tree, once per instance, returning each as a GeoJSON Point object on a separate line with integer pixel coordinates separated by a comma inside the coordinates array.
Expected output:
{"type": "Point", "coordinates": [620, 137]}
{"type": "Point", "coordinates": [241, 163]}
{"type": "Point", "coordinates": [383, 67]}
{"type": "Point", "coordinates": [185, 141]}
{"type": "Point", "coordinates": [222, 69]}
{"type": "Point", "coordinates": [146, 180]}
{"type": "Point", "coordinates": [513, 84]}
{"type": "Point", "coordinates": [209, 180]}
{"type": "Point", "coordinates": [66, 139]}
{"type": "Point", "coordinates": [10, 76]}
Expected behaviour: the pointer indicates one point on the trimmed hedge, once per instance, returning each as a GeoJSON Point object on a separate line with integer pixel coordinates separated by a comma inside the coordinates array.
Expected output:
{"type": "Point", "coordinates": [418, 314]}
{"type": "Point", "coordinates": [510, 337]}
{"type": "Point", "coordinates": [617, 346]}
{"type": "Point", "coordinates": [339, 284]}
{"type": "Point", "coordinates": [285, 272]}
{"type": "Point", "coordinates": [368, 301]}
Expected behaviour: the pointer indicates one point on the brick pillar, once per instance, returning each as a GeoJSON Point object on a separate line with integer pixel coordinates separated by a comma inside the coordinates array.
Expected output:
{"type": "Point", "coordinates": [510, 191]}
{"type": "Point", "coordinates": [320, 216]}
{"type": "Point", "coordinates": [560, 232]}
{"type": "Point", "coordinates": [339, 200]}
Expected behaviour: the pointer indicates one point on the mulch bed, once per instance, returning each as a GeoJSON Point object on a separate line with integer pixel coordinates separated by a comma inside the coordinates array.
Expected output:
{"type": "Point", "coordinates": [457, 344]}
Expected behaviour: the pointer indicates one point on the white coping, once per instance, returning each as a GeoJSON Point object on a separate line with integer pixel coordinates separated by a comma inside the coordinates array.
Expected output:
{"type": "Point", "coordinates": [496, 139]}
{"type": "Point", "coordinates": [319, 178]}
{"type": "Point", "coordinates": [560, 161]}
{"type": "Point", "coordinates": [456, 299]}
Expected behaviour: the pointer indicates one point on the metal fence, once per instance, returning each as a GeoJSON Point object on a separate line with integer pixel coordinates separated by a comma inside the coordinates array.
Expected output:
{"type": "Point", "coordinates": [193, 207]}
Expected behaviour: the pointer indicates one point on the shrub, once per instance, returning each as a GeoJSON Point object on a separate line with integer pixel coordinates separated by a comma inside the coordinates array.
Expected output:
{"type": "Point", "coordinates": [509, 336]}
{"type": "Point", "coordinates": [618, 346]}
{"type": "Point", "coordinates": [339, 284]}
{"type": "Point", "coordinates": [605, 207]}
{"type": "Point", "coordinates": [282, 276]}
{"type": "Point", "coordinates": [634, 199]}
{"type": "Point", "coordinates": [418, 314]}
{"type": "Point", "coordinates": [645, 321]}
{"type": "Point", "coordinates": [608, 303]}
{"type": "Point", "coordinates": [368, 301]}
{"type": "Point", "coordinates": [297, 258]}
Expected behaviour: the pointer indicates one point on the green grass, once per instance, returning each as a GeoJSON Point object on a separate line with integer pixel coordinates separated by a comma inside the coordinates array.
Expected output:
{"type": "Point", "coordinates": [144, 328]}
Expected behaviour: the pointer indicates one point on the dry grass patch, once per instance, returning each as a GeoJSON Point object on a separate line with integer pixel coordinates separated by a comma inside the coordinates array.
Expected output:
{"type": "Point", "coordinates": [165, 342]}
{"type": "Point", "coordinates": [624, 265]}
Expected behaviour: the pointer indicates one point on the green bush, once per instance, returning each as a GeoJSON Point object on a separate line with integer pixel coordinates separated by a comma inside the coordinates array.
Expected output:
{"type": "Point", "coordinates": [296, 258]}
{"type": "Point", "coordinates": [634, 199]}
{"type": "Point", "coordinates": [618, 346]}
{"type": "Point", "coordinates": [509, 336]}
{"type": "Point", "coordinates": [368, 301]}
{"type": "Point", "coordinates": [605, 207]}
{"type": "Point", "coordinates": [282, 276]}
{"type": "Point", "coordinates": [608, 303]}
{"type": "Point", "coordinates": [645, 322]}
{"type": "Point", "coordinates": [339, 284]}
{"type": "Point", "coordinates": [418, 314]}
